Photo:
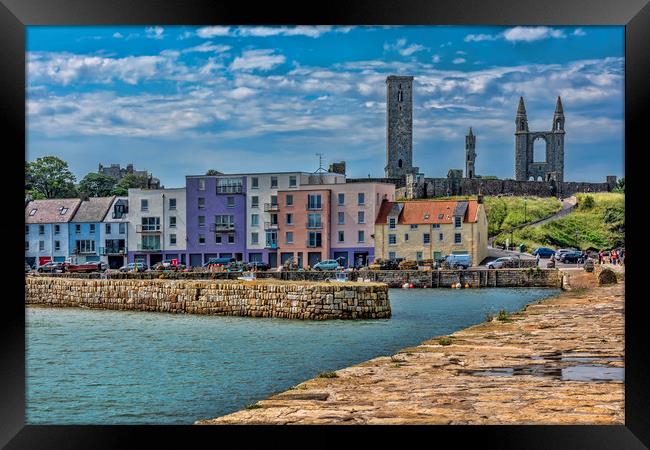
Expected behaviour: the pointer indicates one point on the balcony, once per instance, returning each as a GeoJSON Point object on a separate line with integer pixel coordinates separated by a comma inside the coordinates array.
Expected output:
{"type": "Point", "coordinates": [149, 247]}
{"type": "Point", "coordinates": [237, 189]}
{"type": "Point", "coordinates": [313, 244]}
{"type": "Point", "coordinates": [271, 207]}
{"type": "Point", "coordinates": [112, 251]}
{"type": "Point", "coordinates": [315, 226]}
{"type": "Point", "coordinates": [222, 227]}
{"type": "Point", "coordinates": [270, 226]}
{"type": "Point", "coordinates": [271, 245]}
{"type": "Point", "coordinates": [139, 228]}
{"type": "Point", "coordinates": [77, 251]}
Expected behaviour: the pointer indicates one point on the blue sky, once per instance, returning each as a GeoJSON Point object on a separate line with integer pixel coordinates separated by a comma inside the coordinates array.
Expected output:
{"type": "Point", "coordinates": [180, 100]}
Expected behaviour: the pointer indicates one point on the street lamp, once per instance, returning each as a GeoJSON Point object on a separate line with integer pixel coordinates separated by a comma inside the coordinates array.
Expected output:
{"type": "Point", "coordinates": [525, 199]}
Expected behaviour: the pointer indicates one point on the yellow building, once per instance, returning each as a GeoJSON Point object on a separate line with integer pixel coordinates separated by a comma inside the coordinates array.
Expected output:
{"type": "Point", "coordinates": [431, 229]}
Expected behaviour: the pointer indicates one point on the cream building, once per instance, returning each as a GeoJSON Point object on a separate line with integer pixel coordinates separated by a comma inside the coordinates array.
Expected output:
{"type": "Point", "coordinates": [431, 229]}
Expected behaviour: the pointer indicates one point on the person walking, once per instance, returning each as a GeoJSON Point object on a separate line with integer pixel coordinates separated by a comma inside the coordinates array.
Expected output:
{"type": "Point", "coordinates": [537, 259]}
{"type": "Point", "coordinates": [614, 257]}
{"type": "Point", "coordinates": [600, 257]}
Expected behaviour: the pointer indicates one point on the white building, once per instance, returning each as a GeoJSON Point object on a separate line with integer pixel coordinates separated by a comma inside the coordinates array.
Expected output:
{"type": "Point", "coordinates": [114, 233]}
{"type": "Point", "coordinates": [157, 228]}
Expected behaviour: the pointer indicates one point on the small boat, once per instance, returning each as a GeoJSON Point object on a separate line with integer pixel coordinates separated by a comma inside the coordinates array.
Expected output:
{"type": "Point", "coordinates": [341, 277]}
{"type": "Point", "coordinates": [250, 276]}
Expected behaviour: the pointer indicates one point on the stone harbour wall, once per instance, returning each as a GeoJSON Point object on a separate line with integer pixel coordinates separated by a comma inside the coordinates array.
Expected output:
{"type": "Point", "coordinates": [520, 277]}
{"type": "Point", "coordinates": [290, 300]}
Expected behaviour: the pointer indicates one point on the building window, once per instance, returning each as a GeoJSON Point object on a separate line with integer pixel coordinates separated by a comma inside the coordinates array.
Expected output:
{"type": "Point", "coordinates": [292, 181]}
{"type": "Point", "coordinates": [289, 219]}
{"type": "Point", "coordinates": [426, 238]}
{"type": "Point", "coordinates": [255, 238]}
{"type": "Point", "coordinates": [230, 202]}
{"type": "Point", "coordinates": [391, 255]}
{"type": "Point", "coordinates": [435, 225]}
{"type": "Point", "coordinates": [255, 183]}
{"type": "Point", "coordinates": [274, 200]}
{"type": "Point", "coordinates": [314, 221]}
{"type": "Point", "coordinates": [361, 217]}
{"type": "Point", "coordinates": [341, 199]}
{"type": "Point", "coordinates": [392, 221]}
{"type": "Point", "coordinates": [92, 228]}
{"type": "Point", "coordinates": [201, 202]}
{"type": "Point", "coordinates": [362, 235]}
{"type": "Point", "coordinates": [57, 229]}
{"type": "Point", "coordinates": [224, 221]}
{"type": "Point", "coordinates": [41, 246]}
{"type": "Point", "coordinates": [86, 246]}
{"type": "Point", "coordinates": [457, 221]}
{"type": "Point", "coordinates": [77, 228]}
{"type": "Point", "coordinates": [201, 221]}
{"type": "Point", "coordinates": [26, 229]}
{"type": "Point", "coordinates": [41, 229]}
{"type": "Point", "coordinates": [32, 212]}
{"type": "Point", "coordinates": [201, 184]}
{"type": "Point", "coordinates": [172, 203]}
{"type": "Point", "coordinates": [457, 238]}
{"type": "Point", "coordinates": [362, 198]}
{"type": "Point", "coordinates": [201, 238]}
{"type": "Point", "coordinates": [289, 237]}
{"type": "Point", "coordinates": [108, 228]}
{"type": "Point", "coordinates": [314, 201]}
{"type": "Point", "coordinates": [341, 218]}
{"type": "Point", "coordinates": [172, 239]}
{"type": "Point", "coordinates": [441, 237]}
{"type": "Point", "coordinates": [341, 236]}
{"type": "Point", "coordinates": [255, 220]}
{"type": "Point", "coordinates": [315, 239]}
{"type": "Point", "coordinates": [150, 224]}
{"type": "Point", "coordinates": [231, 238]}
{"type": "Point", "coordinates": [229, 185]}
{"type": "Point", "coordinates": [274, 182]}
{"type": "Point", "coordinates": [274, 218]}
{"type": "Point", "coordinates": [217, 239]}
{"type": "Point", "coordinates": [26, 246]}
{"type": "Point", "coordinates": [392, 239]}
{"type": "Point", "coordinates": [255, 201]}
{"type": "Point", "coordinates": [414, 227]}
{"type": "Point", "coordinates": [172, 222]}
{"type": "Point", "coordinates": [122, 228]}
{"type": "Point", "coordinates": [406, 237]}
{"type": "Point", "coordinates": [144, 204]}
{"type": "Point", "coordinates": [289, 200]}
{"type": "Point", "coordinates": [418, 256]}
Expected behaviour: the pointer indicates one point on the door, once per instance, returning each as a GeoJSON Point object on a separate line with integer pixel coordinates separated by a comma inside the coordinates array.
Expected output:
{"type": "Point", "coordinates": [155, 258]}
{"type": "Point", "coordinates": [313, 258]}
{"type": "Point", "coordinates": [273, 260]}
{"type": "Point", "coordinates": [342, 258]}
{"type": "Point", "coordinates": [285, 256]}
{"type": "Point", "coordinates": [196, 260]}
{"type": "Point", "coordinates": [300, 259]}
{"type": "Point", "coordinates": [360, 259]}
{"type": "Point", "coordinates": [115, 262]}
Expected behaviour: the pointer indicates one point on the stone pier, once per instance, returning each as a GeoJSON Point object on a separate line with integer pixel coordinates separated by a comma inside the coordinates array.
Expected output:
{"type": "Point", "coordinates": [558, 361]}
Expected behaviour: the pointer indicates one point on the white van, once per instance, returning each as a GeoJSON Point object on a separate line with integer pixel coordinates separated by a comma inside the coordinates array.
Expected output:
{"type": "Point", "coordinates": [456, 261]}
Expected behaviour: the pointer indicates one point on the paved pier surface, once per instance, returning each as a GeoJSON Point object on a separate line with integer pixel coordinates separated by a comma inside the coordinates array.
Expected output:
{"type": "Point", "coordinates": [559, 361]}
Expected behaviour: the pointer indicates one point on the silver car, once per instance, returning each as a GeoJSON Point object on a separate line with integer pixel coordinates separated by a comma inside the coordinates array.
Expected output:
{"type": "Point", "coordinates": [500, 263]}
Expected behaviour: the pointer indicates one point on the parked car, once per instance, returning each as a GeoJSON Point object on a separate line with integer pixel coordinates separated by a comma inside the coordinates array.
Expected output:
{"type": "Point", "coordinates": [219, 261]}
{"type": "Point", "coordinates": [328, 264]}
{"type": "Point", "coordinates": [51, 267]}
{"type": "Point", "coordinates": [132, 266]}
{"type": "Point", "coordinates": [98, 266]}
{"type": "Point", "coordinates": [500, 263]}
{"type": "Point", "coordinates": [258, 265]}
{"type": "Point", "coordinates": [544, 252]}
{"type": "Point", "coordinates": [390, 264]}
{"type": "Point", "coordinates": [561, 251]}
{"type": "Point", "coordinates": [572, 257]}
{"type": "Point", "coordinates": [455, 261]}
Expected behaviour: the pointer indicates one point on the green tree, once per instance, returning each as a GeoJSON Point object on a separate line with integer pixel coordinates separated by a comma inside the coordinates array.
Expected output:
{"type": "Point", "coordinates": [50, 177]}
{"type": "Point", "coordinates": [587, 202]}
{"type": "Point", "coordinates": [130, 181]}
{"type": "Point", "coordinates": [212, 172]}
{"type": "Point", "coordinates": [97, 185]}
{"type": "Point", "coordinates": [620, 185]}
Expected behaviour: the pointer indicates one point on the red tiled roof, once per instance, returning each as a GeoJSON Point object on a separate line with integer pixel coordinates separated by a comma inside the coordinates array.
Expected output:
{"type": "Point", "coordinates": [427, 211]}
{"type": "Point", "coordinates": [49, 211]}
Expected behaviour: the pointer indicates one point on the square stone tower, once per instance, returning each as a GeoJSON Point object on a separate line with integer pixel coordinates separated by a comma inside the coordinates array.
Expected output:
{"type": "Point", "coordinates": [399, 127]}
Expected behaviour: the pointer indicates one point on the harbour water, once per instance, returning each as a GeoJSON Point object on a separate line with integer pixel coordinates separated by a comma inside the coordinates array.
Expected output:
{"type": "Point", "coordinates": [118, 367]}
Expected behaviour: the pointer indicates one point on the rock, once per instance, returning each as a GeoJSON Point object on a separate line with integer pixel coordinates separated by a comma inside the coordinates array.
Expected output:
{"type": "Point", "coordinates": [607, 276]}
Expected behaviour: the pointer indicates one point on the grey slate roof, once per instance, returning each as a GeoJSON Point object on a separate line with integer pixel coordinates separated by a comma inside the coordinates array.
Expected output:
{"type": "Point", "coordinates": [93, 210]}
{"type": "Point", "coordinates": [49, 211]}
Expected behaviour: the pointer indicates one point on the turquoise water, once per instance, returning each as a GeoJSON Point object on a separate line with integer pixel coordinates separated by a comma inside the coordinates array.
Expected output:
{"type": "Point", "coordinates": [117, 367]}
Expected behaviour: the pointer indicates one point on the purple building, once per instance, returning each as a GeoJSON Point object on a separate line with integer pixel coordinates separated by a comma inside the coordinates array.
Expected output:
{"type": "Point", "coordinates": [216, 217]}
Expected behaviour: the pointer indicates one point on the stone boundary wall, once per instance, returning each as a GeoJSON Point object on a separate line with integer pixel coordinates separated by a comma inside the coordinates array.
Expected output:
{"type": "Point", "coordinates": [521, 277]}
{"type": "Point", "coordinates": [317, 301]}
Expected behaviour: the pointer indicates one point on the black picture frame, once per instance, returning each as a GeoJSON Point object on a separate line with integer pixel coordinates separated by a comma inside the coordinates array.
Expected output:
{"type": "Point", "coordinates": [15, 15]}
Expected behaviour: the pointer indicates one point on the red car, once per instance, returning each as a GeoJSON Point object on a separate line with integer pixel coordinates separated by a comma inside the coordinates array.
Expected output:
{"type": "Point", "coordinates": [85, 268]}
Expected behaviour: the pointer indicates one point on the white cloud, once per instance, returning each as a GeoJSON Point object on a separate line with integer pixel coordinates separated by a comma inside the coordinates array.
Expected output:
{"type": "Point", "coordinates": [208, 32]}
{"type": "Point", "coordinates": [263, 59]}
{"type": "Point", "coordinates": [241, 93]}
{"type": "Point", "coordinates": [435, 58]}
{"type": "Point", "coordinates": [480, 37]}
{"type": "Point", "coordinates": [531, 34]}
{"type": "Point", "coordinates": [118, 35]}
{"type": "Point", "coordinates": [208, 47]}
{"type": "Point", "coordinates": [579, 32]}
{"type": "Point", "coordinates": [400, 47]}
{"type": "Point", "coordinates": [458, 60]}
{"type": "Point", "coordinates": [460, 52]}
{"type": "Point", "coordinates": [154, 32]}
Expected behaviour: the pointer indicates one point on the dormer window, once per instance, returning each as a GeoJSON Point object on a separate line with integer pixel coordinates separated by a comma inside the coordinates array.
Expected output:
{"type": "Point", "coordinates": [32, 212]}
{"type": "Point", "coordinates": [426, 217]}
{"type": "Point", "coordinates": [441, 216]}
{"type": "Point", "coordinates": [391, 222]}
{"type": "Point", "coordinates": [63, 210]}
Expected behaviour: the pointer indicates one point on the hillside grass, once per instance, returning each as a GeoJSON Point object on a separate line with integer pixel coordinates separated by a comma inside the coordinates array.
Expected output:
{"type": "Point", "coordinates": [598, 223]}
{"type": "Point", "coordinates": [506, 212]}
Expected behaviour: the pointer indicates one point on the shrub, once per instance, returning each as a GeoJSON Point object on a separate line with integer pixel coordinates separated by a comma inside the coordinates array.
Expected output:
{"type": "Point", "coordinates": [327, 375]}
{"type": "Point", "coordinates": [254, 406]}
{"type": "Point", "coordinates": [503, 316]}
{"type": "Point", "coordinates": [587, 202]}
{"type": "Point", "coordinates": [444, 340]}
